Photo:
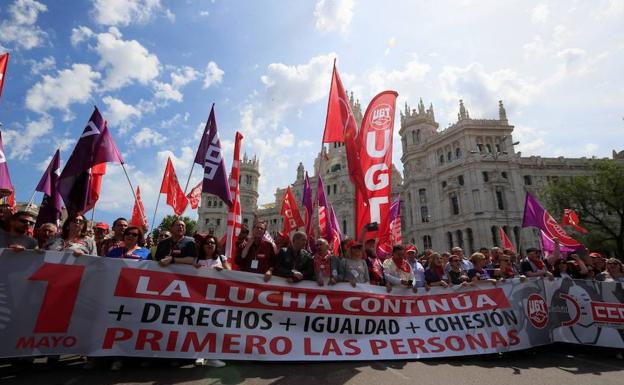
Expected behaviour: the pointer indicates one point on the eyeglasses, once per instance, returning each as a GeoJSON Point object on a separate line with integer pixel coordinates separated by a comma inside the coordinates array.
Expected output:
{"type": "Point", "coordinates": [27, 222]}
{"type": "Point", "coordinates": [132, 234]}
{"type": "Point", "coordinates": [211, 243]}
{"type": "Point", "coordinates": [78, 221]}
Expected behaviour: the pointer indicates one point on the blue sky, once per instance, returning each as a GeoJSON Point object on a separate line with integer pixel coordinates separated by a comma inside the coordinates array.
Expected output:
{"type": "Point", "coordinates": [154, 68]}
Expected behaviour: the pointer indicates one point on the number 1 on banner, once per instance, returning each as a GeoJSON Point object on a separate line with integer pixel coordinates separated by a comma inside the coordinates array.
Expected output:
{"type": "Point", "coordinates": [60, 296]}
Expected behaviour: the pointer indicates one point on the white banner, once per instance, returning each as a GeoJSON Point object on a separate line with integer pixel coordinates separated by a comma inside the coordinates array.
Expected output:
{"type": "Point", "coordinates": [54, 303]}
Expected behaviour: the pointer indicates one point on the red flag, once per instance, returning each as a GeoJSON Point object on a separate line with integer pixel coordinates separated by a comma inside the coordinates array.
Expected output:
{"type": "Point", "coordinates": [4, 60]}
{"type": "Point", "coordinates": [375, 151]}
{"type": "Point", "coordinates": [97, 173]}
{"type": "Point", "coordinates": [234, 220]}
{"type": "Point", "coordinates": [571, 219]}
{"type": "Point", "coordinates": [505, 241]}
{"type": "Point", "coordinates": [194, 197]}
{"type": "Point", "coordinates": [290, 213]}
{"type": "Point", "coordinates": [139, 218]}
{"type": "Point", "coordinates": [170, 186]}
{"type": "Point", "coordinates": [340, 126]}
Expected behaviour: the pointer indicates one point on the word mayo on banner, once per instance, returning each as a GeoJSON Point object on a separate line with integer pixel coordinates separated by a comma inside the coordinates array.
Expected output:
{"type": "Point", "coordinates": [54, 303]}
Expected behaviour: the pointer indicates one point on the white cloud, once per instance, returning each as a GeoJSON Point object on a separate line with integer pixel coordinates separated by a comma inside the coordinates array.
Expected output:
{"type": "Point", "coordinates": [285, 139]}
{"type": "Point", "coordinates": [125, 61]}
{"type": "Point", "coordinates": [333, 15]}
{"type": "Point", "coordinates": [204, 13]}
{"type": "Point", "coordinates": [179, 78]}
{"type": "Point", "coordinates": [483, 89]}
{"type": "Point", "coordinates": [182, 76]}
{"type": "Point", "coordinates": [540, 13]}
{"type": "Point", "coordinates": [20, 29]}
{"type": "Point", "coordinates": [213, 74]}
{"type": "Point", "coordinates": [80, 34]}
{"type": "Point", "coordinates": [46, 64]}
{"type": "Point", "coordinates": [21, 142]}
{"type": "Point", "coordinates": [125, 12]}
{"type": "Point", "coordinates": [166, 91]}
{"type": "Point", "coordinates": [119, 114]}
{"type": "Point", "coordinates": [404, 81]}
{"type": "Point", "coordinates": [147, 137]}
{"type": "Point", "coordinates": [70, 86]}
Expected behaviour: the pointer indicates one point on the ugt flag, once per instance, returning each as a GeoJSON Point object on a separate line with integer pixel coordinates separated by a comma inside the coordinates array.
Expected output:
{"type": "Point", "coordinates": [535, 215]}
{"type": "Point", "coordinates": [290, 213]}
{"type": "Point", "coordinates": [210, 157]}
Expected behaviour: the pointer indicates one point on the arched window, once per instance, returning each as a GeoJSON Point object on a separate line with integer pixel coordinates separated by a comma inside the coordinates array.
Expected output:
{"type": "Point", "coordinates": [470, 237]}
{"type": "Point", "coordinates": [424, 214]}
{"type": "Point", "coordinates": [494, 235]}
{"type": "Point", "coordinates": [427, 242]}
{"type": "Point", "coordinates": [459, 238]}
{"type": "Point", "coordinates": [458, 153]}
{"type": "Point", "coordinates": [449, 239]}
{"type": "Point", "coordinates": [417, 136]}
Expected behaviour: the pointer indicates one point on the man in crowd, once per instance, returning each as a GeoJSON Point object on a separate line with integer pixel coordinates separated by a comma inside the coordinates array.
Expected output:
{"type": "Point", "coordinates": [100, 231]}
{"type": "Point", "coordinates": [465, 262]}
{"type": "Point", "coordinates": [17, 237]}
{"type": "Point", "coordinates": [533, 265]}
{"type": "Point", "coordinates": [293, 262]}
{"type": "Point", "coordinates": [419, 271]}
{"type": "Point", "coordinates": [258, 254]}
{"type": "Point", "coordinates": [397, 270]}
{"type": "Point", "coordinates": [119, 226]}
{"type": "Point", "coordinates": [178, 248]}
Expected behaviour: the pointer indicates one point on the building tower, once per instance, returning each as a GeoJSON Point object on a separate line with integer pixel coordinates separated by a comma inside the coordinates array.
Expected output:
{"type": "Point", "coordinates": [249, 175]}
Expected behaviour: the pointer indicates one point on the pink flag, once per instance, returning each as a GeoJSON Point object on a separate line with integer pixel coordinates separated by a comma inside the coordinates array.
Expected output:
{"type": "Point", "coordinates": [505, 241]}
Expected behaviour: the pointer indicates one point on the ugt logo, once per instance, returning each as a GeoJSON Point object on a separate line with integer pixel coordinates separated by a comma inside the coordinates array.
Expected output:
{"type": "Point", "coordinates": [380, 118]}
{"type": "Point", "coordinates": [537, 311]}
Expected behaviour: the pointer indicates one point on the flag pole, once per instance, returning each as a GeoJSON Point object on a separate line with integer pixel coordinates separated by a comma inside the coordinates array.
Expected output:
{"type": "Point", "coordinates": [189, 178]}
{"type": "Point", "coordinates": [31, 200]}
{"type": "Point", "coordinates": [93, 213]}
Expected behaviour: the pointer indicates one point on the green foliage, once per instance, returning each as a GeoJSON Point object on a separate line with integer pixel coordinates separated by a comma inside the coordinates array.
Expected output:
{"type": "Point", "coordinates": [191, 225]}
{"type": "Point", "coordinates": [598, 199]}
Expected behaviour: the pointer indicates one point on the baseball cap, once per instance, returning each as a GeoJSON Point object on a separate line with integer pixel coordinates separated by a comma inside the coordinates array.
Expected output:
{"type": "Point", "coordinates": [101, 225]}
{"type": "Point", "coordinates": [411, 248]}
{"type": "Point", "coordinates": [353, 243]}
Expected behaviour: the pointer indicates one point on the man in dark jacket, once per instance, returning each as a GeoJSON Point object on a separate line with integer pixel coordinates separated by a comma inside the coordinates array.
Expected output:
{"type": "Point", "coordinates": [294, 262]}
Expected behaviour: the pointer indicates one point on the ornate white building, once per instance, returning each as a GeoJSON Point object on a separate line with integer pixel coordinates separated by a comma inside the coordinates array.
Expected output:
{"type": "Point", "coordinates": [459, 184]}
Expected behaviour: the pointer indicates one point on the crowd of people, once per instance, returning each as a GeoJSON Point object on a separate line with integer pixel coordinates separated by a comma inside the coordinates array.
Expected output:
{"type": "Point", "coordinates": [298, 258]}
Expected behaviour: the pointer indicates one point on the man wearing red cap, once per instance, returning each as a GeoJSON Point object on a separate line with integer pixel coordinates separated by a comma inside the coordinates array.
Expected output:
{"type": "Point", "coordinates": [100, 231]}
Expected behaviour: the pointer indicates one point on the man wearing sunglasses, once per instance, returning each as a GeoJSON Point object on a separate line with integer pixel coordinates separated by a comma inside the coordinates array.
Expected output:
{"type": "Point", "coordinates": [16, 237]}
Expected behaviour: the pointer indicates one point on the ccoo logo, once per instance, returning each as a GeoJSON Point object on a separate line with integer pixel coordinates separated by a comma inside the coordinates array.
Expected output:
{"type": "Point", "coordinates": [380, 118]}
{"type": "Point", "coordinates": [556, 230]}
{"type": "Point", "coordinates": [537, 310]}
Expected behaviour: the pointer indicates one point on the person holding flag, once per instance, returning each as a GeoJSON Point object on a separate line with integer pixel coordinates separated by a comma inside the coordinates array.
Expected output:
{"type": "Point", "coordinates": [294, 262]}
{"type": "Point", "coordinates": [258, 255]}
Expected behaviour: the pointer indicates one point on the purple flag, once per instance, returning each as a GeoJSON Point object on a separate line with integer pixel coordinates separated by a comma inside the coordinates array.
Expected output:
{"type": "Point", "coordinates": [309, 210]}
{"type": "Point", "coordinates": [548, 245]}
{"type": "Point", "coordinates": [335, 226]}
{"type": "Point", "coordinates": [51, 206]}
{"type": "Point", "coordinates": [209, 156]}
{"type": "Point", "coordinates": [536, 216]}
{"type": "Point", "coordinates": [5, 178]}
{"type": "Point", "coordinates": [94, 147]}
{"type": "Point", "coordinates": [325, 226]}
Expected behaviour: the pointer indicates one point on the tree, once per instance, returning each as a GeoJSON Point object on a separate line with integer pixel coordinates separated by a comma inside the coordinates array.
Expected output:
{"type": "Point", "coordinates": [191, 225]}
{"type": "Point", "coordinates": [598, 199]}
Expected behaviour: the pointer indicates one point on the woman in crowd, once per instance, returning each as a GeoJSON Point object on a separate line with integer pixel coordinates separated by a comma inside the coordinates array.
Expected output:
{"type": "Point", "coordinates": [506, 268]}
{"type": "Point", "coordinates": [353, 267]}
{"type": "Point", "coordinates": [456, 275]}
{"type": "Point", "coordinates": [74, 237]}
{"type": "Point", "coordinates": [478, 274]}
{"type": "Point", "coordinates": [208, 255]}
{"type": "Point", "coordinates": [434, 275]}
{"type": "Point", "coordinates": [614, 272]}
{"type": "Point", "coordinates": [131, 249]}
{"type": "Point", "coordinates": [325, 265]}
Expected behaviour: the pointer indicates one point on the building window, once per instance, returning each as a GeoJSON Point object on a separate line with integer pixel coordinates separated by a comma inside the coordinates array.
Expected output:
{"type": "Point", "coordinates": [209, 202]}
{"type": "Point", "coordinates": [220, 203]}
{"type": "Point", "coordinates": [335, 167]}
{"type": "Point", "coordinates": [207, 221]}
{"type": "Point", "coordinates": [486, 177]}
{"type": "Point", "coordinates": [458, 153]}
{"type": "Point", "coordinates": [449, 156]}
{"type": "Point", "coordinates": [441, 159]}
{"type": "Point", "coordinates": [444, 184]}
{"type": "Point", "coordinates": [422, 195]}
{"type": "Point", "coordinates": [427, 242]}
{"type": "Point", "coordinates": [245, 221]}
{"type": "Point", "coordinates": [460, 180]}
{"type": "Point", "coordinates": [449, 239]}
{"type": "Point", "coordinates": [328, 189]}
{"type": "Point", "coordinates": [489, 148]}
{"type": "Point", "coordinates": [500, 201]}
{"type": "Point", "coordinates": [528, 180]}
{"type": "Point", "coordinates": [504, 174]}
{"type": "Point", "coordinates": [459, 238]}
{"type": "Point", "coordinates": [414, 141]}
{"type": "Point", "coordinates": [498, 148]}
{"type": "Point", "coordinates": [344, 226]}
{"type": "Point", "coordinates": [494, 231]}
{"type": "Point", "coordinates": [454, 204]}
{"type": "Point", "coordinates": [218, 222]}
{"type": "Point", "coordinates": [480, 147]}
{"type": "Point", "coordinates": [424, 213]}
{"type": "Point", "coordinates": [516, 232]}
{"type": "Point", "coordinates": [335, 189]}
{"type": "Point", "coordinates": [470, 240]}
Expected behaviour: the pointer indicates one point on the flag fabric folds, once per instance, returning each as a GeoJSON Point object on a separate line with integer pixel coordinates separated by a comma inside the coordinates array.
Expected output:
{"type": "Point", "coordinates": [210, 157]}
{"type": "Point", "coordinates": [51, 206]}
{"type": "Point", "coordinates": [571, 219]}
{"type": "Point", "coordinates": [536, 216]}
{"type": "Point", "coordinates": [171, 187]}
{"type": "Point", "coordinates": [390, 231]}
{"type": "Point", "coordinates": [95, 146]}
{"type": "Point", "coordinates": [6, 186]}
{"type": "Point", "coordinates": [4, 61]}
{"type": "Point", "coordinates": [505, 241]}
{"type": "Point", "coordinates": [97, 174]}
{"type": "Point", "coordinates": [194, 196]}
{"type": "Point", "coordinates": [139, 218]}
{"type": "Point", "coordinates": [234, 220]}
{"type": "Point", "coordinates": [322, 207]}
{"type": "Point", "coordinates": [548, 244]}
{"type": "Point", "coordinates": [290, 213]}
{"type": "Point", "coordinates": [308, 207]}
